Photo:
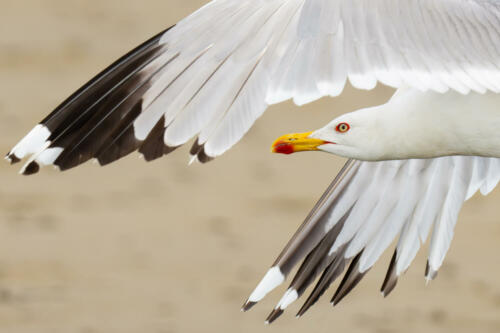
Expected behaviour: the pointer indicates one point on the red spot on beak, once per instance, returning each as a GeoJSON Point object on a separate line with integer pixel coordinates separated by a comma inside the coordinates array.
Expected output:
{"type": "Point", "coordinates": [283, 148]}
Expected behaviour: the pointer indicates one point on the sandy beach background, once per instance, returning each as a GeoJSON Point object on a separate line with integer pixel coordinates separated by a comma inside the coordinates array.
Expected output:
{"type": "Point", "coordinates": [166, 248]}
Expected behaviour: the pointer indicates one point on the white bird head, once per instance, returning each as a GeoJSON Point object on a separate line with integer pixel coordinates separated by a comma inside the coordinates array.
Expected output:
{"type": "Point", "coordinates": [353, 135]}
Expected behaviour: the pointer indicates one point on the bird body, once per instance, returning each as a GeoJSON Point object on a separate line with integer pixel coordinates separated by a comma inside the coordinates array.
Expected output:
{"type": "Point", "coordinates": [412, 161]}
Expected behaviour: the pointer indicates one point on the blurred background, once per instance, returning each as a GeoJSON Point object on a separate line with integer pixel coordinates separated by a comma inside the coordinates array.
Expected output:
{"type": "Point", "coordinates": [161, 247]}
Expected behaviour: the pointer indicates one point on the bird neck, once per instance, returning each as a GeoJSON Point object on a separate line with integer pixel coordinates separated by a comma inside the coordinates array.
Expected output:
{"type": "Point", "coordinates": [415, 124]}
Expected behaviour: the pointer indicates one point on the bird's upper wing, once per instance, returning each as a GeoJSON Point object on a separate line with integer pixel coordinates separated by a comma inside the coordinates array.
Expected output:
{"type": "Point", "coordinates": [365, 208]}
{"type": "Point", "coordinates": [213, 74]}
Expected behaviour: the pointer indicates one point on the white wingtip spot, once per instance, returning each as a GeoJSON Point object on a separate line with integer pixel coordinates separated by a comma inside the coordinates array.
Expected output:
{"type": "Point", "coordinates": [49, 156]}
{"type": "Point", "coordinates": [32, 142]}
{"type": "Point", "coordinates": [278, 306]}
{"type": "Point", "coordinates": [194, 158]}
{"type": "Point", "coordinates": [271, 280]}
{"type": "Point", "coordinates": [288, 298]}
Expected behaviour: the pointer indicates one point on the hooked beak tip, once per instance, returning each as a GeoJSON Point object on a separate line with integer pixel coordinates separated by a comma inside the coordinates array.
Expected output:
{"type": "Point", "coordinates": [281, 147]}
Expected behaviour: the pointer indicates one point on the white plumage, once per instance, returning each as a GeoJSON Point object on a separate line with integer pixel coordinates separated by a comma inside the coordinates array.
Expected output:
{"type": "Point", "coordinates": [214, 73]}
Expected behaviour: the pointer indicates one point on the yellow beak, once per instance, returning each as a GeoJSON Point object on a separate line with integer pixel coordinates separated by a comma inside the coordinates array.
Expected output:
{"type": "Point", "coordinates": [291, 143]}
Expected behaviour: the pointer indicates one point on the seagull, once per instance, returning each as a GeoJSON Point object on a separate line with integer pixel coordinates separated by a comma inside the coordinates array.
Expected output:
{"type": "Point", "coordinates": [411, 163]}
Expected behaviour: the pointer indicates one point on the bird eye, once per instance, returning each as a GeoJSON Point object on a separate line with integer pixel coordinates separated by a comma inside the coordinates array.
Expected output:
{"type": "Point", "coordinates": [343, 127]}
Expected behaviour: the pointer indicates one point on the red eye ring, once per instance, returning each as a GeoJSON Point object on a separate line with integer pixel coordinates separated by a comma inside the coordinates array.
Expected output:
{"type": "Point", "coordinates": [342, 127]}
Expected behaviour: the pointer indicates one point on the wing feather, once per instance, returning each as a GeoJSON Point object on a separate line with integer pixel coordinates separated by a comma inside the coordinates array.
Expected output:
{"type": "Point", "coordinates": [434, 191]}
{"type": "Point", "coordinates": [214, 73]}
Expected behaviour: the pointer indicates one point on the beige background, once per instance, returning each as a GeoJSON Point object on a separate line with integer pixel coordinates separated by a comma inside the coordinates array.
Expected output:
{"type": "Point", "coordinates": [161, 247]}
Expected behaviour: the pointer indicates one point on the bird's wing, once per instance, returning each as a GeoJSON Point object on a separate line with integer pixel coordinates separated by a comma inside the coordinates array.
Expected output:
{"type": "Point", "coordinates": [213, 74]}
{"type": "Point", "coordinates": [361, 214]}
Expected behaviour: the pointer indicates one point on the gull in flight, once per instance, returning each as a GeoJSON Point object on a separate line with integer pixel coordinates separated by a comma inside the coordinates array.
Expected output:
{"type": "Point", "coordinates": [412, 162]}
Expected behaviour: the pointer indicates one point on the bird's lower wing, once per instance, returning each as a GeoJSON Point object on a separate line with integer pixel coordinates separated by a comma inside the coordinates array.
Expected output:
{"type": "Point", "coordinates": [213, 74]}
{"type": "Point", "coordinates": [365, 208]}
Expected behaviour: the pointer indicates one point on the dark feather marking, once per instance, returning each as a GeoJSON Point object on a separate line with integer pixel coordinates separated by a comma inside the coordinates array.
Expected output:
{"type": "Point", "coordinates": [195, 148]}
{"type": "Point", "coordinates": [330, 274]}
{"type": "Point", "coordinates": [81, 145]}
{"type": "Point", "coordinates": [429, 273]}
{"type": "Point", "coordinates": [247, 306]}
{"type": "Point", "coordinates": [124, 143]}
{"type": "Point", "coordinates": [122, 140]}
{"type": "Point", "coordinates": [391, 279]}
{"type": "Point", "coordinates": [13, 159]}
{"type": "Point", "coordinates": [203, 157]}
{"type": "Point", "coordinates": [111, 116]}
{"type": "Point", "coordinates": [312, 231]}
{"type": "Point", "coordinates": [198, 150]}
{"type": "Point", "coordinates": [72, 108]}
{"type": "Point", "coordinates": [31, 168]}
{"type": "Point", "coordinates": [76, 110]}
{"type": "Point", "coordinates": [156, 150]}
{"type": "Point", "coordinates": [350, 280]}
{"type": "Point", "coordinates": [275, 314]}
{"type": "Point", "coordinates": [318, 259]}
{"type": "Point", "coordinates": [81, 113]}
{"type": "Point", "coordinates": [318, 223]}
{"type": "Point", "coordinates": [154, 146]}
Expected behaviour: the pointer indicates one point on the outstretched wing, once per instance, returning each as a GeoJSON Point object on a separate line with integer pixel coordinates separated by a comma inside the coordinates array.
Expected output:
{"type": "Point", "coordinates": [365, 208]}
{"type": "Point", "coordinates": [212, 75]}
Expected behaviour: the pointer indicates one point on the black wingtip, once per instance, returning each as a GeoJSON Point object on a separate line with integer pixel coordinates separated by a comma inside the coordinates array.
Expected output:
{"type": "Point", "coordinates": [430, 274]}
{"type": "Point", "coordinates": [198, 150]}
{"type": "Point", "coordinates": [247, 306]}
{"type": "Point", "coordinates": [154, 147]}
{"type": "Point", "coordinates": [391, 279]}
{"type": "Point", "coordinates": [32, 168]}
{"type": "Point", "coordinates": [319, 260]}
{"type": "Point", "coordinates": [330, 274]}
{"type": "Point", "coordinates": [12, 158]}
{"type": "Point", "coordinates": [306, 306]}
{"type": "Point", "coordinates": [195, 148]}
{"type": "Point", "coordinates": [350, 280]}
{"type": "Point", "coordinates": [203, 157]}
{"type": "Point", "coordinates": [348, 287]}
{"type": "Point", "coordinates": [275, 314]}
